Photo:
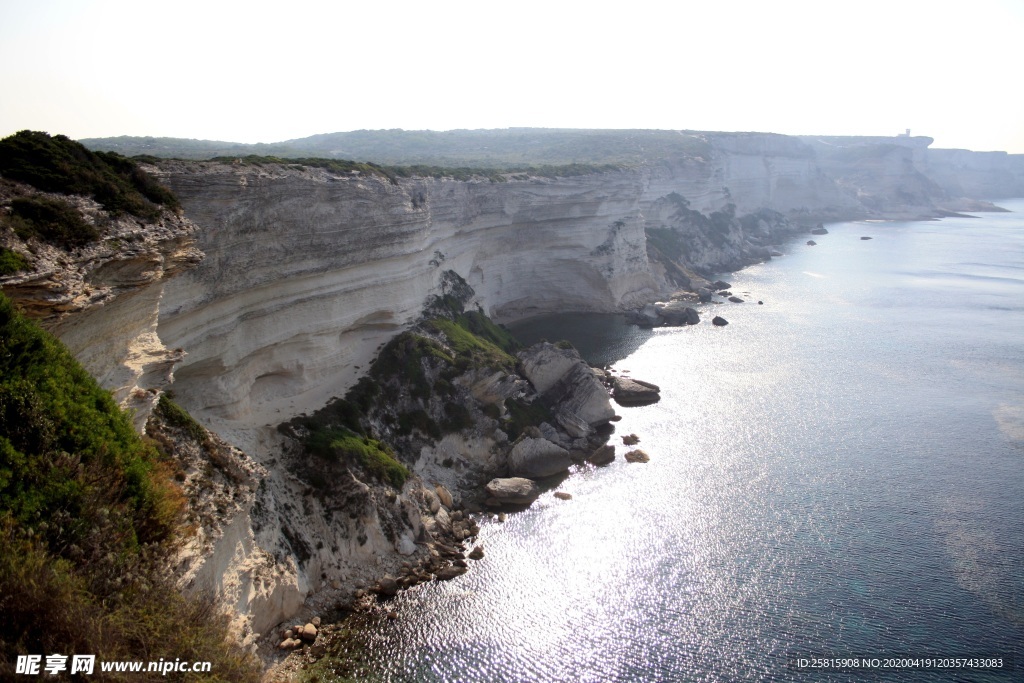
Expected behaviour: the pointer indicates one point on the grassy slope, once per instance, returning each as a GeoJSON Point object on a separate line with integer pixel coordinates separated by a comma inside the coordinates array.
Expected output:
{"type": "Point", "coordinates": [88, 514]}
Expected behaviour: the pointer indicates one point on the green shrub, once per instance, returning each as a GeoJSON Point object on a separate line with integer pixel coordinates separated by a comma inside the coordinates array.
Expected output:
{"type": "Point", "coordinates": [52, 220]}
{"type": "Point", "coordinates": [373, 456]}
{"type": "Point", "coordinates": [59, 164]}
{"type": "Point", "coordinates": [179, 417]}
{"type": "Point", "coordinates": [418, 419]}
{"type": "Point", "coordinates": [457, 417]}
{"type": "Point", "coordinates": [467, 345]}
{"type": "Point", "coordinates": [88, 518]}
{"type": "Point", "coordinates": [402, 360]}
{"type": "Point", "coordinates": [11, 262]}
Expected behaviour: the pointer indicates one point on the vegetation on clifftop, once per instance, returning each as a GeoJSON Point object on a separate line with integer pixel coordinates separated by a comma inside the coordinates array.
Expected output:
{"type": "Point", "coordinates": [88, 515]}
{"type": "Point", "coordinates": [59, 164]}
{"type": "Point", "coordinates": [392, 173]}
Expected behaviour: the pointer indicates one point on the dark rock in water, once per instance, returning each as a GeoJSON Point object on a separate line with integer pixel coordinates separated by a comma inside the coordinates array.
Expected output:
{"type": "Point", "coordinates": [820, 230]}
{"type": "Point", "coordinates": [865, 238]}
{"type": "Point", "coordinates": [633, 392]}
{"type": "Point", "coordinates": [719, 285]}
{"type": "Point", "coordinates": [449, 573]}
{"type": "Point", "coordinates": [637, 456]}
{"type": "Point", "coordinates": [811, 243]}
{"type": "Point", "coordinates": [477, 553]}
{"type": "Point", "coordinates": [704, 295]}
{"type": "Point", "coordinates": [760, 303]}
{"type": "Point", "coordinates": [675, 313]}
{"type": "Point", "coordinates": [602, 456]}
{"type": "Point", "coordinates": [719, 321]}
{"type": "Point", "coordinates": [630, 439]}
{"type": "Point", "coordinates": [735, 299]}
{"type": "Point", "coordinates": [562, 495]}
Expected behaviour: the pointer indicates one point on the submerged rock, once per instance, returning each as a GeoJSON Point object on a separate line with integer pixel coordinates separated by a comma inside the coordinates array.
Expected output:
{"type": "Point", "coordinates": [865, 237]}
{"type": "Point", "coordinates": [637, 456]}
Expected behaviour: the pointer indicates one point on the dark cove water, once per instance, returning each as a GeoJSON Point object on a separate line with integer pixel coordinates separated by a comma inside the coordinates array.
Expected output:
{"type": "Point", "coordinates": [837, 472]}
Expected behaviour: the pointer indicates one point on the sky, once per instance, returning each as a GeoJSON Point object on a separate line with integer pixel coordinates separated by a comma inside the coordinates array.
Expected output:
{"type": "Point", "coordinates": [267, 72]}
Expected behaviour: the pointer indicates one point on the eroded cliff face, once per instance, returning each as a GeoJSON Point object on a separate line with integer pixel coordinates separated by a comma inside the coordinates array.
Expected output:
{"type": "Point", "coordinates": [306, 272]}
{"type": "Point", "coordinates": [102, 299]}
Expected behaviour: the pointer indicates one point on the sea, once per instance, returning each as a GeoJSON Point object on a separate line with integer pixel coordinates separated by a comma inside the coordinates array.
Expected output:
{"type": "Point", "coordinates": [835, 489]}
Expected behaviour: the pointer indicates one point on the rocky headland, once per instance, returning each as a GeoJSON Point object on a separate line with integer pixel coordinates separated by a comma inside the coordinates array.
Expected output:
{"type": "Point", "coordinates": [334, 334]}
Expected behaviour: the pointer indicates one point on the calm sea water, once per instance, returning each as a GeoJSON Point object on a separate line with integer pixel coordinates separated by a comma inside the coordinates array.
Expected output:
{"type": "Point", "coordinates": [839, 471]}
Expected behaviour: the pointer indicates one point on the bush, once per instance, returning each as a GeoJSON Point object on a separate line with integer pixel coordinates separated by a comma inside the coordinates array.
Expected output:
{"type": "Point", "coordinates": [180, 418]}
{"type": "Point", "coordinates": [52, 220]}
{"type": "Point", "coordinates": [11, 262]}
{"type": "Point", "coordinates": [59, 164]}
{"type": "Point", "coordinates": [373, 456]}
{"type": "Point", "coordinates": [88, 518]}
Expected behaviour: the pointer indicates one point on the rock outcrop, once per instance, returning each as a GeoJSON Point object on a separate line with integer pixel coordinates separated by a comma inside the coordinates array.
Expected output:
{"type": "Point", "coordinates": [561, 378]}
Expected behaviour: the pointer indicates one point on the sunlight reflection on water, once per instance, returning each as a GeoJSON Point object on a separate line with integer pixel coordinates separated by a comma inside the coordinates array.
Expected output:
{"type": "Point", "coordinates": [823, 478]}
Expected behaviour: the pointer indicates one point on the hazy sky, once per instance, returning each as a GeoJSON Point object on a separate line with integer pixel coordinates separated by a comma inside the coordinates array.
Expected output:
{"type": "Point", "coordinates": [266, 72]}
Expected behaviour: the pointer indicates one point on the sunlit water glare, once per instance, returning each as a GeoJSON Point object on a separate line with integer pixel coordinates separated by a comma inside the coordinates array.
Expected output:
{"type": "Point", "coordinates": [838, 471]}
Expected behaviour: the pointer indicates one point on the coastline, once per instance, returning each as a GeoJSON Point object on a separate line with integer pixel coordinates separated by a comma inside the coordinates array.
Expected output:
{"type": "Point", "coordinates": [366, 605]}
{"type": "Point", "coordinates": [384, 617]}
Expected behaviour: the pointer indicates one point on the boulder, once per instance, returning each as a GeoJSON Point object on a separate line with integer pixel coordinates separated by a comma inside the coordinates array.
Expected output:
{"type": "Point", "coordinates": [811, 243]}
{"type": "Point", "coordinates": [602, 456]}
{"type": "Point", "coordinates": [476, 553]}
{"type": "Point", "coordinates": [511, 491]}
{"type": "Point", "coordinates": [704, 295]}
{"type": "Point", "coordinates": [865, 237]}
{"type": "Point", "coordinates": [444, 496]}
{"type": "Point", "coordinates": [562, 378]}
{"type": "Point", "coordinates": [388, 585]}
{"type": "Point", "coordinates": [735, 299]}
{"type": "Point", "coordinates": [449, 573]}
{"type": "Point", "coordinates": [630, 440]}
{"type": "Point", "coordinates": [637, 456]}
{"type": "Point", "coordinates": [309, 633]}
{"type": "Point", "coordinates": [535, 458]}
{"type": "Point", "coordinates": [633, 392]}
{"type": "Point", "coordinates": [562, 495]}
{"type": "Point", "coordinates": [719, 285]}
{"type": "Point", "coordinates": [820, 230]}
{"type": "Point", "coordinates": [719, 321]}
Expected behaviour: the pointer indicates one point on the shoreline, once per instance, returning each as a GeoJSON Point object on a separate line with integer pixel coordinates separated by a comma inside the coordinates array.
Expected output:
{"type": "Point", "coordinates": [365, 601]}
